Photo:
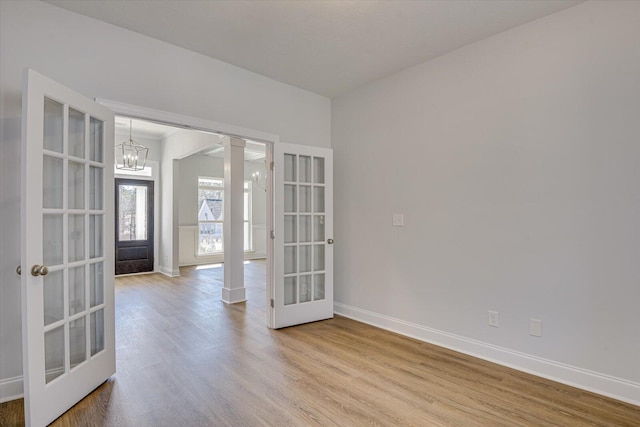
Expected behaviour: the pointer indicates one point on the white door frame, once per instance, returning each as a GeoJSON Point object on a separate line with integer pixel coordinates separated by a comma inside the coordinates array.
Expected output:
{"type": "Point", "coordinates": [188, 122]}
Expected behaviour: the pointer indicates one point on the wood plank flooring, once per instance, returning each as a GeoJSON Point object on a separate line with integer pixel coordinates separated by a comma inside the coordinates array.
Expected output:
{"type": "Point", "coordinates": [186, 359]}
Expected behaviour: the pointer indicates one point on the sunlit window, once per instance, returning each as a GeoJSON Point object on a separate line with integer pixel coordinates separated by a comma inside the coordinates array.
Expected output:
{"type": "Point", "coordinates": [211, 216]}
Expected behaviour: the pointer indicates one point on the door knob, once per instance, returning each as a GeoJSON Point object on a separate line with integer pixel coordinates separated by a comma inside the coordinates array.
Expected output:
{"type": "Point", "coordinates": [39, 270]}
{"type": "Point", "coordinates": [330, 241]}
{"type": "Point", "coordinates": [19, 270]}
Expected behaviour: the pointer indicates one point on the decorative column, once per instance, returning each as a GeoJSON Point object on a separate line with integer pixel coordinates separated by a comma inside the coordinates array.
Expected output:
{"type": "Point", "coordinates": [234, 290]}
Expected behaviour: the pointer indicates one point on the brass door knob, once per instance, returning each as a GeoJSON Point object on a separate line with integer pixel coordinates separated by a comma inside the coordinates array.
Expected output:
{"type": "Point", "coordinates": [39, 270]}
{"type": "Point", "coordinates": [330, 241]}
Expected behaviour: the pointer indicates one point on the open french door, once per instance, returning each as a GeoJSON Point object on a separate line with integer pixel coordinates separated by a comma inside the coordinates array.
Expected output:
{"type": "Point", "coordinates": [68, 327]}
{"type": "Point", "coordinates": [303, 243]}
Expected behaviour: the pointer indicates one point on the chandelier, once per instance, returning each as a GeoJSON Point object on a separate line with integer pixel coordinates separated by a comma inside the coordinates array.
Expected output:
{"type": "Point", "coordinates": [130, 155]}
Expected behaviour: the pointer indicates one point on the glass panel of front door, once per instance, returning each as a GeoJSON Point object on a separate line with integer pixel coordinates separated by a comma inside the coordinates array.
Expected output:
{"type": "Point", "coordinates": [132, 215]}
{"type": "Point", "coordinates": [304, 234]}
{"type": "Point", "coordinates": [72, 237]}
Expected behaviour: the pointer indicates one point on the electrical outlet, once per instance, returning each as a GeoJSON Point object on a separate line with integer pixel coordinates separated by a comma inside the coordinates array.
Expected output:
{"type": "Point", "coordinates": [535, 327]}
{"type": "Point", "coordinates": [493, 319]}
{"type": "Point", "coordinates": [398, 220]}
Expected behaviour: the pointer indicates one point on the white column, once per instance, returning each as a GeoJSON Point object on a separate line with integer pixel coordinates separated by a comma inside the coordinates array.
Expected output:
{"type": "Point", "coordinates": [234, 290]}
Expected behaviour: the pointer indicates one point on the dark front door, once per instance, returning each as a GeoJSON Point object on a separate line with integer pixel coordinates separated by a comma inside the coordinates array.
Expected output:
{"type": "Point", "coordinates": [134, 226]}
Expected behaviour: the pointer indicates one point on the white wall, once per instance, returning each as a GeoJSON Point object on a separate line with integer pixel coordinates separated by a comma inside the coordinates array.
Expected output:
{"type": "Point", "coordinates": [516, 161]}
{"type": "Point", "coordinates": [103, 61]}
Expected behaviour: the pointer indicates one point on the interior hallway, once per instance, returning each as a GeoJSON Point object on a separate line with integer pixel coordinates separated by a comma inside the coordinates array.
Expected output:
{"type": "Point", "coordinates": [185, 358]}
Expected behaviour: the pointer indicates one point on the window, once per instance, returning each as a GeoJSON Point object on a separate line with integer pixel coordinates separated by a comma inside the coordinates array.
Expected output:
{"type": "Point", "coordinates": [211, 215]}
{"type": "Point", "coordinates": [248, 237]}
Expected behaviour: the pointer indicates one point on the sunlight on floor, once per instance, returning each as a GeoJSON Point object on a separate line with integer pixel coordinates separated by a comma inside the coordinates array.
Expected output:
{"type": "Point", "coordinates": [208, 266]}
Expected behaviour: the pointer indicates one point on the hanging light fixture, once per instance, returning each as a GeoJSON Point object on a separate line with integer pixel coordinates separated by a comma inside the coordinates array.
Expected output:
{"type": "Point", "coordinates": [130, 155]}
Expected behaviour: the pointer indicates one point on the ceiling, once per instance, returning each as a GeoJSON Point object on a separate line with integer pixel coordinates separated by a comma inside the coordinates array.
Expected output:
{"type": "Point", "coordinates": [143, 128]}
{"type": "Point", "coordinates": [253, 152]}
{"type": "Point", "coordinates": [328, 47]}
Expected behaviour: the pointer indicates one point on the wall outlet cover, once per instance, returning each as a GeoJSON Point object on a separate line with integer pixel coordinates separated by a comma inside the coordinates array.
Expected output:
{"type": "Point", "coordinates": [535, 327]}
{"type": "Point", "coordinates": [493, 319]}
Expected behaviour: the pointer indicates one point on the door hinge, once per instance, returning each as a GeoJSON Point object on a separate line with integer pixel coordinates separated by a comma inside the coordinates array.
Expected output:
{"type": "Point", "coordinates": [272, 165]}
{"type": "Point", "coordinates": [273, 234]}
{"type": "Point", "coordinates": [271, 302]}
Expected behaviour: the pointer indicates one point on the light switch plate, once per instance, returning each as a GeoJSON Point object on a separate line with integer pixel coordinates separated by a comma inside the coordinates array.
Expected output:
{"type": "Point", "coordinates": [398, 220]}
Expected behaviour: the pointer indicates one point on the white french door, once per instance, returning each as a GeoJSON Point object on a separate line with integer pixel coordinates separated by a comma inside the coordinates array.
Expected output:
{"type": "Point", "coordinates": [68, 328]}
{"type": "Point", "coordinates": [303, 244]}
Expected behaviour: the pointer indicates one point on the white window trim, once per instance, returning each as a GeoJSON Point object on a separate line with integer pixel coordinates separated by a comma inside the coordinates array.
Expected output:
{"type": "Point", "coordinates": [247, 189]}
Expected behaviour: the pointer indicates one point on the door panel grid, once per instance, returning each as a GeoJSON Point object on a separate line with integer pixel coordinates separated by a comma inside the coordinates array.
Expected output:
{"type": "Point", "coordinates": [71, 222]}
{"type": "Point", "coordinates": [304, 220]}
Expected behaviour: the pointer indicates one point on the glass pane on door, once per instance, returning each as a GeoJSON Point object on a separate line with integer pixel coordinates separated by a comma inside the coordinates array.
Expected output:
{"type": "Point", "coordinates": [96, 284]}
{"type": "Point", "coordinates": [54, 353]}
{"type": "Point", "coordinates": [305, 169]}
{"type": "Point", "coordinates": [290, 229]}
{"type": "Point", "coordinates": [76, 290]}
{"type": "Point", "coordinates": [318, 290]}
{"type": "Point", "coordinates": [52, 172]}
{"type": "Point", "coordinates": [76, 238]}
{"type": "Point", "coordinates": [53, 125]}
{"type": "Point", "coordinates": [77, 341]}
{"type": "Point", "coordinates": [95, 140]}
{"type": "Point", "coordinates": [76, 133]}
{"type": "Point", "coordinates": [53, 297]}
{"type": "Point", "coordinates": [132, 212]}
{"type": "Point", "coordinates": [290, 291]}
{"type": "Point", "coordinates": [95, 188]}
{"type": "Point", "coordinates": [305, 288]}
{"type": "Point", "coordinates": [95, 236]}
{"type": "Point", "coordinates": [76, 185]}
{"type": "Point", "coordinates": [52, 240]}
{"type": "Point", "coordinates": [97, 332]}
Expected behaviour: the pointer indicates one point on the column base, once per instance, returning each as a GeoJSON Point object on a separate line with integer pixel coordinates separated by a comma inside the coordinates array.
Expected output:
{"type": "Point", "coordinates": [232, 296]}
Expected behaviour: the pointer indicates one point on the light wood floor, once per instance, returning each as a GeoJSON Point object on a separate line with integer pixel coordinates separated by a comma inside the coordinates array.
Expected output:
{"type": "Point", "coordinates": [186, 359]}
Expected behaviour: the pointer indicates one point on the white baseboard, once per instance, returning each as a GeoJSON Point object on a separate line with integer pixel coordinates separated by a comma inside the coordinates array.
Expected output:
{"type": "Point", "coordinates": [11, 389]}
{"type": "Point", "coordinates": [616, 388]}
{"type": "Point", "coordinates": [169, 272]}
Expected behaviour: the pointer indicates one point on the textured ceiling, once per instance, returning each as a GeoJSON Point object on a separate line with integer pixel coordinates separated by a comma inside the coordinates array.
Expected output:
{"type": "Point", "coordinates": [326, 47]}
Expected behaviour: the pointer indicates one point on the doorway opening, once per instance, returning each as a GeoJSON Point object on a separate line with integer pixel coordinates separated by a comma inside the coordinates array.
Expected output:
{"type": "Point", "coordinates": [186, 170]}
